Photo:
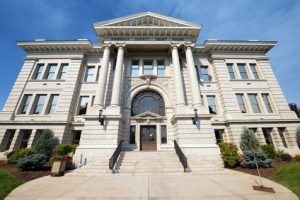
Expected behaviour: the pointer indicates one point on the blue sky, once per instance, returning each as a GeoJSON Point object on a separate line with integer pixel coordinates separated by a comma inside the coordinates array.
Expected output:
{"type": "Point", "coordinates": [69, 19]}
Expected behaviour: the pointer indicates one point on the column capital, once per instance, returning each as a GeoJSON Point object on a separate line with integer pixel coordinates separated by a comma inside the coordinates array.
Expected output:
{"type": "Point", "coordinates": [188, 45]}
{"type": "Point", "coordinates": [175, 45]}
{"type": "Point", "coordinates": [107, 45]}
{"type": "Point", "coordinates": [120, 44]}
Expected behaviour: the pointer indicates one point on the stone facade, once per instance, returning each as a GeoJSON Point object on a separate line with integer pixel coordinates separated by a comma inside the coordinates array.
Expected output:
{"type": "Point", "coordinates": [190, 78]}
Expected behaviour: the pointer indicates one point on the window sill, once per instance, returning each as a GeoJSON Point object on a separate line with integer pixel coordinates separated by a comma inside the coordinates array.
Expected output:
{"type": "Point", "coordinates": [246, 80]}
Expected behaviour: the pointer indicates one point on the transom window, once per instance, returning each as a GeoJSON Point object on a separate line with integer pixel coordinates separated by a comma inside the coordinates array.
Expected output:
{"type": "Point", "coordinates": [161, 68]}
{"type": "Point", "coordinates": [148, 67]}
{"type": "Point", "coordinates": [148, 101]}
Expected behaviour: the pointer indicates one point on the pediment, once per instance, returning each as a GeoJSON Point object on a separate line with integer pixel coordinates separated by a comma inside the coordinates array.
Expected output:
{"type": "Point", "coordinates": [148, 115]}
{"type": "Point", "coordinates": [146, 19]}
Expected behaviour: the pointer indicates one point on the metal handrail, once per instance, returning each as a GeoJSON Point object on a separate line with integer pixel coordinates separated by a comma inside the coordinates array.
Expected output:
{"type": "Point", "coordinates": [181, 157]}
{"type": "Point", "coordinates": [114, 157]}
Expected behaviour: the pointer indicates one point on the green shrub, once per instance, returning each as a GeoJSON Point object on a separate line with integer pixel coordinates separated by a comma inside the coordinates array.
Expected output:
{"type": "Point", "coordinates": [32, 161]}
{"type": "Point", "coordinates": [279, 153]}
{"type": "Point", "coordinates": [286, 157]}
{"type": "Point", "coordinates": [44, 143]}
{"type": "Point", "coordinates": [298, 136]}
{"type": "Point", "coordinates": [269, 150]}
{"type": "Point", "coordinates": [297, 157]}
{"type": "Point", "coordinates": [249, 141]}
{"type": "Point", "coordinates": [21, 153]}
{"type": "Point", "coordinates": [10, 154]}
{"type": "Point", "coordinates": [64, 149]}
{"type": "Point", "coordinates": [249, 160]}
{"type": "Point", "coordinates": [230, 154]}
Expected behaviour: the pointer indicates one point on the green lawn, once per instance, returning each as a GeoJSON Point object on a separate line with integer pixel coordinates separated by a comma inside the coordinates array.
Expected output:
{"type": "Point", "coordinates": [289, 176]}
{"type": "Point", "coordinates": [7, 183]}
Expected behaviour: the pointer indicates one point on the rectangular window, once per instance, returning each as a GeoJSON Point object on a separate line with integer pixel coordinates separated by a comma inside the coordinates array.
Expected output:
{"type": "Point", "coordinates": [132, 135]}
{"type": "Point", "coordinates": [7, 139]}
{"type": "Point", "coordinates": [211, 100]}
{"type": "Point", "coordinates": [63, 71]}
{"type": "Point", "coordinates": [52, 103]}
{"type": "Point", "coordinates": [254, 71]}
{"type": "Point", "coordinates": [204, 73]}
{"type": "Point", "coordinates": [25, 104]}
{"type": "Point", "coordinates": [84, 100]}
{"type": "Point", "coordinates": [25, 138]}
{"type": "Point", "coordinates": [163, 133]}
{"type": "Point", "coordinates": [267, 102]}
{"type": "Point", "coordinates": [267, 135]}
{"type": "Point", "coordinates": [230, 71]}
{"type": "Point", "coordinates": [219, 136]}
{"type": "Point", "coordinates": [38, 71]}
{"type": "Point", "coordinates": [254, 103]}
{"type": "Point", "coordinates": [281, 132]}
{"type": "Point", "coordinates": [51, 71]}
{"type": "Point", "coordinates": [135, 68]}
{"type": "Point", "coordinates": [240, 99]}
{"type": "Point", "coordinates": [243, 72]}
{"type": "Point", "coordinates": [90, 71]}
{"type": "Point", "coordinates": [76, 137]}
{"type": "Point", "coordinates": [40, 101]}
{"type": "Point", "coordinates": [161, 68]}
{"type": "Point", "coordinates": [148, 67]}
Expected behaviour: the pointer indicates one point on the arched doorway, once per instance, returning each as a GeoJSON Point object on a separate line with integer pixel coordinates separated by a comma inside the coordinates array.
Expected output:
{"type": "Point", "coordinates": [147, 112]}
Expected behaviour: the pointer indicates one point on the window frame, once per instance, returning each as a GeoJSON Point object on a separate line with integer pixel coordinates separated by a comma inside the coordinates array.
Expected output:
{"type": "Point", "coordinates": [62, 73]}
{"type": "Point", "coordinates": [244, 109]}
{"type": "Point", "coordinates": [256, 103]}
{"type": "Point", "coordinates": [268, 104]}
{"type": "Point", "coordinates": [36, 104]}
{"type": "Point", "coordinates": [79, 104]}
{"type": "Point", "coordinates": [39, 69]}
{"type": "Point", "coordinates": [22, 106]}
{"type": "Point", "coordinates": [211, 110]}
{"type": "Point", "coordinates": [87, 74]}
{"type": "Point", "coordinates": [47, 74]}
{"type": "Point", "coordinates": [229, 71]}
{"type": "Point", "coordinates": [254, 72]}
{"type": "Point", "coordinates": [161, 67]}
{"type": "Point", "coordinates": [50, 104]}
{"type": "Point", "coordinates": [135, 65]}
{"type": "Point", "coordinates": [148, 65]}
{"type": "Point", "coordinates": [243, 72]}
{"type": "Point", "coordinates": [207, 74]}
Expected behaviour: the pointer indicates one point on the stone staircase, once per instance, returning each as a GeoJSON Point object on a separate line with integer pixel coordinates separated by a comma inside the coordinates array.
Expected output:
{"type": "Point", "coordinates": [150, 162]}
{"type": "Point", "coordinates": [163, 162]}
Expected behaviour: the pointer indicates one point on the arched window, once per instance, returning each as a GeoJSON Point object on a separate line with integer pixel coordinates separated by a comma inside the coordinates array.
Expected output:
{"type": "Point", "coordinates": [148, 101]}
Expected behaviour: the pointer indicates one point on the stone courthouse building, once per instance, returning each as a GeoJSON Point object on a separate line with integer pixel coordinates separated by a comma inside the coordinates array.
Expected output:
{"type": "Point", "coordinates": [147, 83]}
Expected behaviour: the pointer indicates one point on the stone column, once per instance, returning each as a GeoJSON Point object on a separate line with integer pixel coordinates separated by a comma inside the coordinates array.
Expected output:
{"type": "Point", "coordinates": [116, 91]}
{"type": "Point", "coordinates": [193, 76]}
{"type": "Point", "coordinates": [177, 76]}
{"type": "Point", "coordinates": [99, 99]}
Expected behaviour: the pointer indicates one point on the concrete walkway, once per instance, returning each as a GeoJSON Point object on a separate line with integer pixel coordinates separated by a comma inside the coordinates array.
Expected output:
{"type": "Point", "coordinates": [225, 185]}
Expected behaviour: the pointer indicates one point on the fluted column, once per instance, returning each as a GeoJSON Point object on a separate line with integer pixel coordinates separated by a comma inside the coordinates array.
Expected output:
{"type": "Point", "coordinates": [177, 76]}
{"type": "Point", "coordinates": [99, 99]}
{"type": "Point", "coordinates": [193, 76]}
{"type": "Point", "coordinates": [115, 98]}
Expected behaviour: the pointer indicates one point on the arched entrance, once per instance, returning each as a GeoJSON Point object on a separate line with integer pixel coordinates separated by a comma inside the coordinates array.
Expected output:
{"type": "Point", "coordinates": [147, 113]}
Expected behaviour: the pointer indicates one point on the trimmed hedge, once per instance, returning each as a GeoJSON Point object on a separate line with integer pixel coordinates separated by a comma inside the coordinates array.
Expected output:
{"type": "Point", "coordinates": [65, 149]}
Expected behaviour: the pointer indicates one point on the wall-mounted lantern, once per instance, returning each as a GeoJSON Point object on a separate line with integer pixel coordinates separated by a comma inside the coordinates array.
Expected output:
{"type": "Point", "coordinates": [101, 118]}
{"type": "Point", "coordinates": [195, 119]}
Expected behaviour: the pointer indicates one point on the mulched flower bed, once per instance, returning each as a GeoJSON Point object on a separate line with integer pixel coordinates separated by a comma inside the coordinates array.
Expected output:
{"type": "Point", "coordinates": [25, 175]}
{"type": "Point", "coordinates": [264, 172]}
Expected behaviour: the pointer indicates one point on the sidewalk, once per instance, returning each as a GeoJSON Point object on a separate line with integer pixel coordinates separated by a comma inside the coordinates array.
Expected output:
{"type": "Point", "coordinates": [226, 185]}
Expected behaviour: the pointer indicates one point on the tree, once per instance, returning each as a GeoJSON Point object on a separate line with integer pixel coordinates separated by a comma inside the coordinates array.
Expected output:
{"type": "Point", "coordinates": [249, 141]}
{"type": "Point", "coordinates": [44, 143]}
{"type": "Point", "coordinates": [295, 108]}
{"type": "Point", "coordinates": [298, 136]}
